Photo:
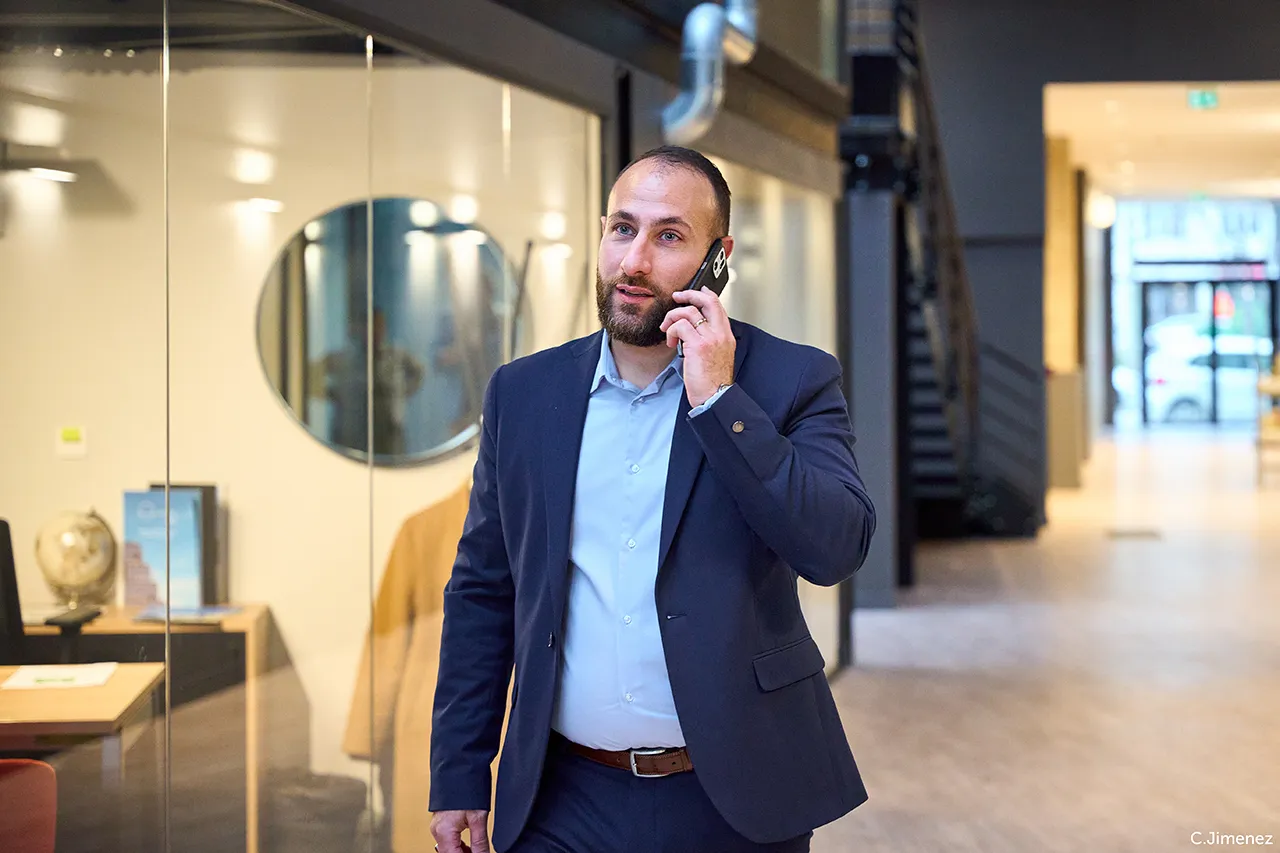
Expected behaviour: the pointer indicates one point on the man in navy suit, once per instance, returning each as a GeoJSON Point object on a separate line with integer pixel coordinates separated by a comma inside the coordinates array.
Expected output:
{"type": "Point", "coordinates": [637, 524]}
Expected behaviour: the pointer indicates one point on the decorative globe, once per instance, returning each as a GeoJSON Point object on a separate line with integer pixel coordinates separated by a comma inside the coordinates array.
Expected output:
{"type": "Point", "coordinates": [77, 555]}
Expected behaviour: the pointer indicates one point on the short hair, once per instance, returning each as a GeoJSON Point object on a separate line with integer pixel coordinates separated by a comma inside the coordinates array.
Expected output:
{"type": "Point", "coordinates": [687, 158]}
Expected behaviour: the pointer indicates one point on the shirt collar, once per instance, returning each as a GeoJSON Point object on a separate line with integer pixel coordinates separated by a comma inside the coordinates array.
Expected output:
{"type": "Point", "coordinates": [607, 368]}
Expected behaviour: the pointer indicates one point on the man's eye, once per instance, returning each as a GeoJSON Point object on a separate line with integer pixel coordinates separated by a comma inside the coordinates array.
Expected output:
{"type": "Point", "coordinates": [622, 228]}
{"type": "Point", "coordinates": [670, 236]}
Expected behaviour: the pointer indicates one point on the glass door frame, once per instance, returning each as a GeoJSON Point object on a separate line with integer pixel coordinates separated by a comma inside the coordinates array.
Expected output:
{"type": "Point", "coordinates": [1222, 277]}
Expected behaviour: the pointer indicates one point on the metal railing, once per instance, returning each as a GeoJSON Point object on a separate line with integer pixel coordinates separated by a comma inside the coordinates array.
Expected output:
{"type": "Point", "coordinates": [988, 392]}
{"type": "Point", "coordinates": [947, 285]}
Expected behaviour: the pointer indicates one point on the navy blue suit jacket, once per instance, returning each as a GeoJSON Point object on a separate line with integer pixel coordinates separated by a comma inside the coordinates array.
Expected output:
{"type": "Point", "coordinates": [761, 488]}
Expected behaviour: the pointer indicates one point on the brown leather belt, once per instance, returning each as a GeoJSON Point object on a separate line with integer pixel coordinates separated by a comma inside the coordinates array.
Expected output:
{"type": "Point", "coordinates": [639, 762]}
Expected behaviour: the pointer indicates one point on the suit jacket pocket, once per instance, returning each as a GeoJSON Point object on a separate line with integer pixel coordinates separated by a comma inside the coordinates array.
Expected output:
{"type": "Point", "coordinates": [788, 664]}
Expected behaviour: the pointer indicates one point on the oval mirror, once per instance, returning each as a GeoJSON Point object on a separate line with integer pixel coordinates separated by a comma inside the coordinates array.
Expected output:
{"type": "Point", "coordinates": [429, 334]}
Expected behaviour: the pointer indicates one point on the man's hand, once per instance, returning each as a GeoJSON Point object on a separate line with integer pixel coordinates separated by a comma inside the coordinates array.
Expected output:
{"type": "Point", "coordinates": [703, 325]}
{"type": "Point", "coordinates": [446, 829]}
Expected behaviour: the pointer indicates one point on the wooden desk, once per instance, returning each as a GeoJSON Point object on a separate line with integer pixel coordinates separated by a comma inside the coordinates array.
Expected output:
{"type": "Point", "coordinates": [77, 711]}
{"type": "Point", "coordinates": [216, 686]}
{"type": "Point", "coordinates": [40, 719]}
{"type": "Point", "coordinates": [120, 620]}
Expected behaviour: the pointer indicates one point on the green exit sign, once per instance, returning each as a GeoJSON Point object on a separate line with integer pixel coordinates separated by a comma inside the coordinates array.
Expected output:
{"type": "Point", "coordinates": [1202, 99]}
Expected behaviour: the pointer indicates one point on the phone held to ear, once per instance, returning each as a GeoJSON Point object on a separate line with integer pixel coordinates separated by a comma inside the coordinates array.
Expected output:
{"type": "Point", "coordinates": [714, 272]}
{"type": "Point", "coordinates": [713, 275]}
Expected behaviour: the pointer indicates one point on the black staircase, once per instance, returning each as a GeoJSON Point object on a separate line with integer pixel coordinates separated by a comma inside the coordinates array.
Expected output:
{"type": "Point", "coordinates": [972, 468]}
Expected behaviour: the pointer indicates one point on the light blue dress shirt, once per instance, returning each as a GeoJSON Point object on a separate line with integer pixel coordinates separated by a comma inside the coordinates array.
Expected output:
{"type": "Point", "coordinates": [614, 691]}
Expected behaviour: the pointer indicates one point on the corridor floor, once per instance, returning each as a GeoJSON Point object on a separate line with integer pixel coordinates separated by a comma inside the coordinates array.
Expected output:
{"type": "Point", "coordinates": [1113, 685]}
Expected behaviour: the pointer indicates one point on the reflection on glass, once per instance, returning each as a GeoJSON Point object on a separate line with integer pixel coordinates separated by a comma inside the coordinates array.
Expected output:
{"type": "Point", "coordinates": [783, 279]}
{"type": "Point", "coordinates": [783, 266]}
{"type": "Point", "coordinates": [429, 334]}
{"type": "Point", "coordinates": [81, 357]}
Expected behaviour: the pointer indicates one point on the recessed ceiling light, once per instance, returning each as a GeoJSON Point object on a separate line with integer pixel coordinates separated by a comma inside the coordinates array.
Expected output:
{"type": "Point", "coordinates": [1100, 210]}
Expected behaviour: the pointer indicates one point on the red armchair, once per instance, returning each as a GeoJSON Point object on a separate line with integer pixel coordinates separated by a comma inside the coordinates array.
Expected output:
{"type": "Point", "coordinates": [28, 820]}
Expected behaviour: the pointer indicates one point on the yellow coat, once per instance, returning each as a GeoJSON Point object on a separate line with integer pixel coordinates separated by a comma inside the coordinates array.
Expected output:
{"type": "Point", "coordinates": [395, 689]}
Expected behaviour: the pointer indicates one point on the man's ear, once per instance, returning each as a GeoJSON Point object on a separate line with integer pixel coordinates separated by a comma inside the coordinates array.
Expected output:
{"type": "Point", "coordinates": [728, 246]}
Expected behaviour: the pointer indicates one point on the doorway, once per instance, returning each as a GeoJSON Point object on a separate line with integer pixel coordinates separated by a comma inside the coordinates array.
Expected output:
{"type": "Point", "coordinates": [1205, 341]}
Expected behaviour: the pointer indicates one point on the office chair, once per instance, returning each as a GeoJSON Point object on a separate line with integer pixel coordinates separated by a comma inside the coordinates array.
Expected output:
{"type": "Point", "coordinates": [11, 631]}
{"type": "Point", "coordinates": [29, 818]}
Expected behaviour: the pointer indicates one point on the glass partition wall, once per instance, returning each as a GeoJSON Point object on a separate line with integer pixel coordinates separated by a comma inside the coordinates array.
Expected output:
{"type": "Point", "coordinates": [786, 233]}
{"type": "Point", "coordinates": [256, 268]}
{"type": "Point", "coordinates": [84, 394]}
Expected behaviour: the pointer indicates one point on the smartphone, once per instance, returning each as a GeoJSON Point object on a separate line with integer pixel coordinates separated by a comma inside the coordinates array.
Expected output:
{"type": "Point", "coordinates": [714, 272]}
{"type": "Point", "coordinates": [713, 275]}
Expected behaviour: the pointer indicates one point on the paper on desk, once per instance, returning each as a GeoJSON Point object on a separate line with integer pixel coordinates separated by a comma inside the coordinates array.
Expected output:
{"type": "Point", "coordinates": [72, 675]}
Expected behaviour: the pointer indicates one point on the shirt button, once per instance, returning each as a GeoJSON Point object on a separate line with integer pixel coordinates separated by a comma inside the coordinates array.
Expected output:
{"type": "Point", "coordinates": [739, 426]}
{"type": "Point", "coordinates": [628, 697]}
{"type": "Point", "coordinates": [626, 620]}
{"type": "Point", "coordinates": [631, 543]}
{"type": "Point", "coordinates": [635, 469]}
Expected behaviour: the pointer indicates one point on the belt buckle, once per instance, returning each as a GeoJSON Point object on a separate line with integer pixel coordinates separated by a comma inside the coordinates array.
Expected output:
{"type": "Point", "coordinates": [632, 753]}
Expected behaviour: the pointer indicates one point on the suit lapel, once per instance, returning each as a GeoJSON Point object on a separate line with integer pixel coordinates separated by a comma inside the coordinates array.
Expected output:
{"type": "Point", "coordinates": [566, 413]}
{"type": "Point", "coordinates": [685, 464]}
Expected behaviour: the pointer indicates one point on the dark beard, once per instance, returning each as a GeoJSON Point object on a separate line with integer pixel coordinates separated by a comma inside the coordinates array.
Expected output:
{"type": "Point", "coordinates": [629, 324]}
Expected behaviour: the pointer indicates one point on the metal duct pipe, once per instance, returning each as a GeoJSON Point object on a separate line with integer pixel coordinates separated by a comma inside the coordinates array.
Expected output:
{"type": "Point", "coordinates": [712, 34]}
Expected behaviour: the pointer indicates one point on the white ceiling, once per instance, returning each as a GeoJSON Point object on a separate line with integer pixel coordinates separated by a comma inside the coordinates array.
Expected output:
{"type": "Point", "coordinates": [1145, 139]}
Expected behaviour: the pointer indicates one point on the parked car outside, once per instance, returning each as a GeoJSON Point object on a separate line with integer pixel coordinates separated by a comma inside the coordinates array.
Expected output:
{"type": "Point", "coordinates": [1180, 378]}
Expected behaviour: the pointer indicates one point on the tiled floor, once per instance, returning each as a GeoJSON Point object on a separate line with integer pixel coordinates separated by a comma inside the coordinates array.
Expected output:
{"type": "Point", "coordinates": [1113, 685]}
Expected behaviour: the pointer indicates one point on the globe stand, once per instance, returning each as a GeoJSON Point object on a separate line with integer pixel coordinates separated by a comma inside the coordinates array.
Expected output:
{"type": "Point", "coordinates": [70, 625]}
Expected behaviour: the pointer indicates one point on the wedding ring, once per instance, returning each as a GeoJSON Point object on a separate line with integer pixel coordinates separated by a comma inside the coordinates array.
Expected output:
{"type": "Point", "coordinates": [700, 322]}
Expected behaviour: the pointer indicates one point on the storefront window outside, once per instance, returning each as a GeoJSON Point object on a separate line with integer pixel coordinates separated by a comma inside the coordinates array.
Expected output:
{"type": "Point", "coordinates": [1193, 312]}
{"type": "Point", "coordinates": [204, 302]}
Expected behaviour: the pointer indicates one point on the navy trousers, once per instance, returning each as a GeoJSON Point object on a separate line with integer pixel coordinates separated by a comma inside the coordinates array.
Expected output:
{"type": "Point", "coordinates": [586, 807]}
